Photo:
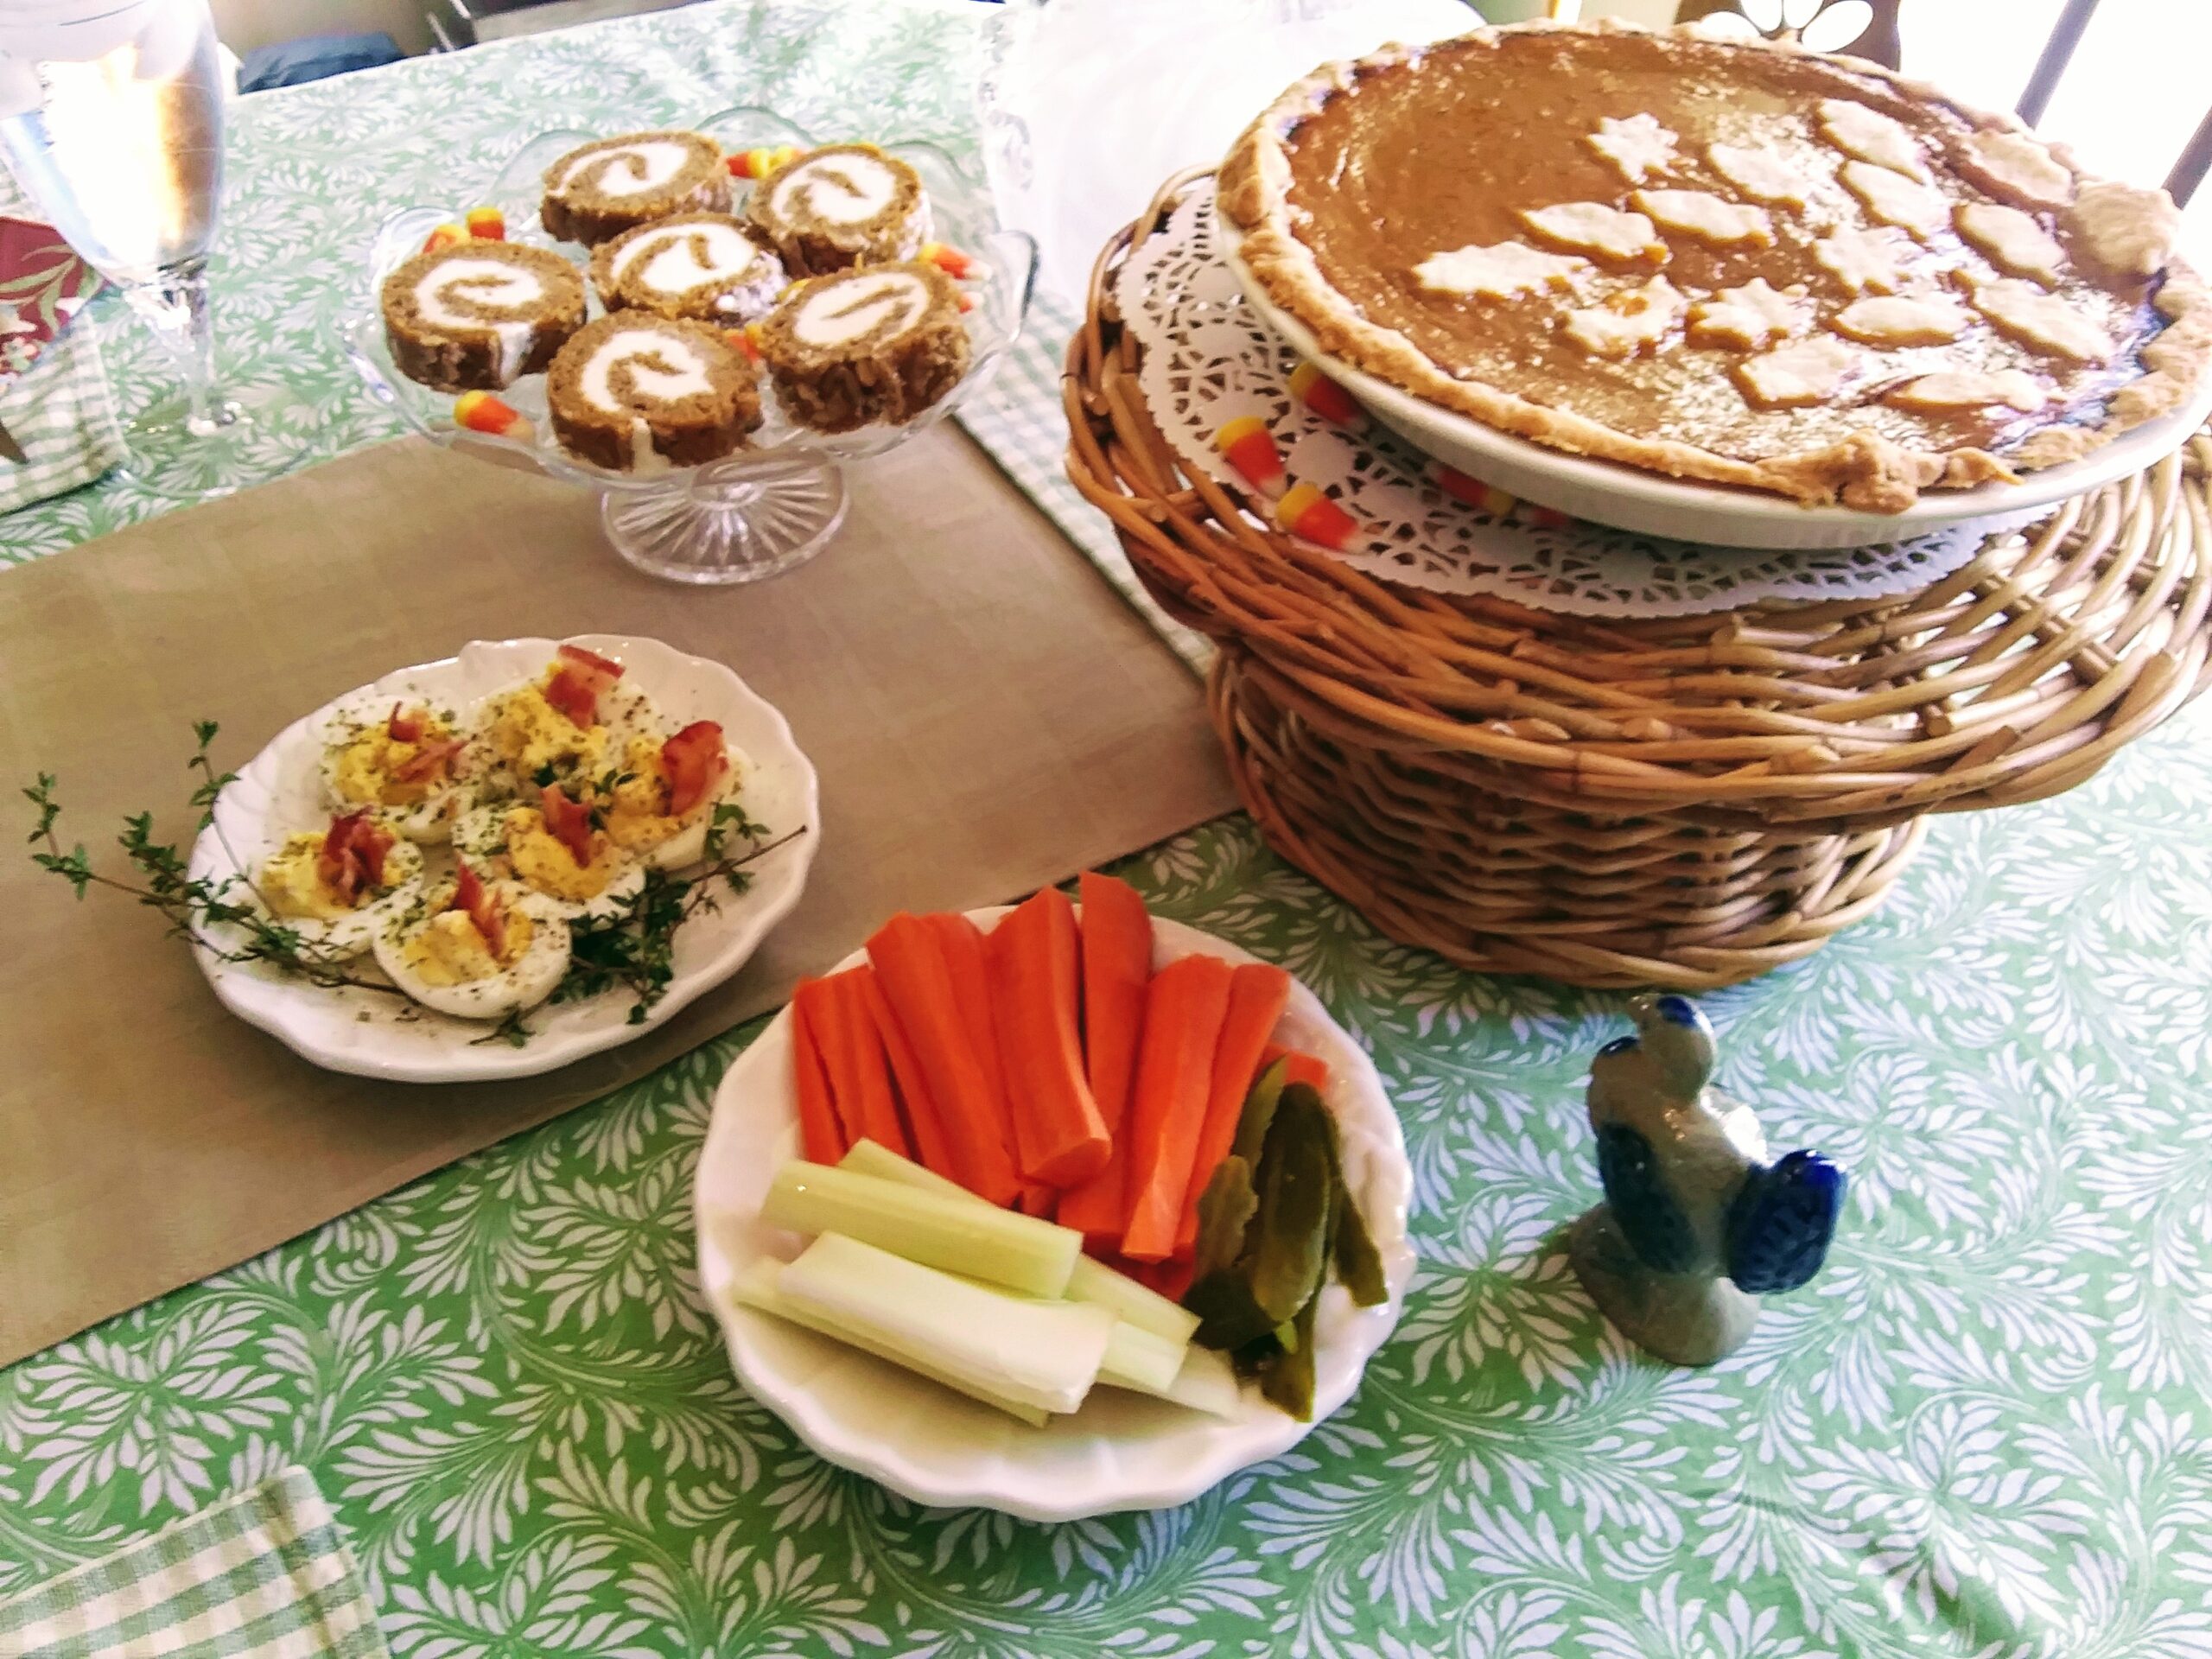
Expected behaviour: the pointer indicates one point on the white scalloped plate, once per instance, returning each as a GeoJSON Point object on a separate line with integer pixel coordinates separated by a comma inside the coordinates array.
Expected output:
{"type": "Point", "coordinates": [1121, 1450]}
{"type": "Point", "coordinates": [373, 1036]}
{"type": "Point", "coordinates": [1630, 499]}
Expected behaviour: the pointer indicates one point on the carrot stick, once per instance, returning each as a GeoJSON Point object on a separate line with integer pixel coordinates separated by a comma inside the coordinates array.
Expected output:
{"type": "Point", "coordinates": [1171, 1278]}
{"type": "Point", "coordinates": [1258, 993]}
{"type": "Point", "coordinates": [821, 1137]}
{"type": "Point", "coordinates": [1037, 1200]}
{"type": "Point", "coordinates": [923, 1122]}
{"type": "Point", "coordinates": [919, 983]}
{"type": "Point", "coordinates": [963, 944]}
{"type": "Point", "coordinates": [1035, 963]}
{"type": "Point", "coordinates": [1304, 1068]}
{"type": "Point", "coordinates": [1117, 968]}
{"type": "Point", "coordinates": [859, 1074]}
{"type": "Point", "coordinates": [1182, 1014]}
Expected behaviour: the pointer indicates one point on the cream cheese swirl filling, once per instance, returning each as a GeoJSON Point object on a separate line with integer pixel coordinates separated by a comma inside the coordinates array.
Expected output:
{"type": "Point", "coordinates": [844, 189]}
{"type": "Point", "coordinates": [682, 256]}
{"type": "Point", "coordinates": [484, 294]}
{"type": "Point", "coordinates": [640, 367]}
{"type": "Point", "coordinates": [876, 305]}
{"type": "Point", "coordinates": [632, 169]}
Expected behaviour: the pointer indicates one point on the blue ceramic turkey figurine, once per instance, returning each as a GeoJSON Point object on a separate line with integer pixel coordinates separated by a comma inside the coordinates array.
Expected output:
{"type": "Point", "coordinates": [1697, 1225]}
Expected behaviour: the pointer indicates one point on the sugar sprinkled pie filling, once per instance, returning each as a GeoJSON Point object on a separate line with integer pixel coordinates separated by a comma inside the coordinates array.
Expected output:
{"type": "Point", "coordinates": [1717, 260]}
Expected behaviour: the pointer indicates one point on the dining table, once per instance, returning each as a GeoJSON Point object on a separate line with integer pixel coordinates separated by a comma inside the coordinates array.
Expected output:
{"type": "Point", "coordinates": [1983, 1429]}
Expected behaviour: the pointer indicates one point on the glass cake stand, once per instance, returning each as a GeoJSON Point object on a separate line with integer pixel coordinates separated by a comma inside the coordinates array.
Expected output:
{"type": "Point", "coordinates": [772, 505]}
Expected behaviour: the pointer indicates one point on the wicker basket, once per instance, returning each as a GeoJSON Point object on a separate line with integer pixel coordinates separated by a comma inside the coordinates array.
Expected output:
{"type": "Point", "coordinates": [1682, 801]}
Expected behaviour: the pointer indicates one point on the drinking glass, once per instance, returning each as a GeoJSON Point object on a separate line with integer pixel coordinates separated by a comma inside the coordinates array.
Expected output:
{"type": "Point", "coordinates": [111, 118]}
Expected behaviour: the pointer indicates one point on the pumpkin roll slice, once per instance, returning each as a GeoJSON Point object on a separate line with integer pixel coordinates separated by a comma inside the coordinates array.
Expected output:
{"type": "Point", "coordinates": [636, 393]}
{"type": "Point", "coordinates": [705, 266]}
{"type": "Point", "coordinates": [595, 192]}
{"type": "Point", "coordinates": [477, 315]}
{"type": "Point", "coordinates": [842, 206]}
{"type": "Point", "coordinates": [881, 343]}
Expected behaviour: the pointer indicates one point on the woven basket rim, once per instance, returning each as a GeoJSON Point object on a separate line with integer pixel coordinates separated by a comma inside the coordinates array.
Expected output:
{"type": "Point", "coordinates": [2013, 678]}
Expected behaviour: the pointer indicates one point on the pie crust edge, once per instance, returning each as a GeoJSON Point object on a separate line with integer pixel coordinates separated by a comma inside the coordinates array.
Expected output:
{"type": "Point", "coordinates": [1863, 471]}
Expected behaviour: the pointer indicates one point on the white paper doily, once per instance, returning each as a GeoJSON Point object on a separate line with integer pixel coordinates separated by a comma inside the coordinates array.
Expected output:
{"type": "Point", "coordinates": [1209, 359]}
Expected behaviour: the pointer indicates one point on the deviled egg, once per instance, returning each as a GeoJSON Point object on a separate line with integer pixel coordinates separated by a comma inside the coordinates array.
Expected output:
{"type": "Point", "coordinates": [555, 851]}
{"type": "Point", "coordinates": [661, 804]}
{"type": "Point", "coordinates": [337, 890]}
{"type": "Point", "coordinates": [476, 950]}
{"type": "Point", "coordinates": [407, 760]}
{"type": "Point", "coordinates": [562, 725]}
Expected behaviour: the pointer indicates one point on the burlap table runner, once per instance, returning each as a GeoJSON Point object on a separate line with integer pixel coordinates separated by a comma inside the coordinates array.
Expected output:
{"type": "Point", "coordinates": [987, 716]}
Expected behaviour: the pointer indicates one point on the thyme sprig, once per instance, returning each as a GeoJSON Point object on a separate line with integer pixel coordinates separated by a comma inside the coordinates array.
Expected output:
{"type": "Point", "coordinates": [632, 950]}
{"type": "Point", "coordinates": [159, 878]}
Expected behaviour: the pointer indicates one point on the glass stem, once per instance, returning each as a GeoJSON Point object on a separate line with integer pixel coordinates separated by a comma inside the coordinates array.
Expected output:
{"type": "Point", "coordinates": [175, 305]}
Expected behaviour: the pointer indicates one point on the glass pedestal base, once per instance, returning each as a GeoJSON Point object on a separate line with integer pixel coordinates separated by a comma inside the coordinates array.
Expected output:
{"type": "Point", "coordinates": [254, 429]}
{"type": "Point", "coordinates": [743, 522]}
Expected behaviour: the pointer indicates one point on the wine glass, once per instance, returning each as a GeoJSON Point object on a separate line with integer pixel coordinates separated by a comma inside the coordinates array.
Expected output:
{"type": "Point", "coordinates": [111, 118]}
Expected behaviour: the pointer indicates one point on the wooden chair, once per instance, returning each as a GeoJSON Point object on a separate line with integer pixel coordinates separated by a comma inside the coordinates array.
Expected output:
{"type": "Point", "coordinates": [1878, 41]}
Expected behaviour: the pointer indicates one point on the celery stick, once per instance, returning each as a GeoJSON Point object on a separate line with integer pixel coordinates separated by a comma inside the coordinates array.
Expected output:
{"type": "Point", "coordinates": [1135, 1359]}
{"type": "Point", "coordinates": [1091, 1281]}
{"type": "Point", "coordinates": [759, 1288]}
{"type": "Point", "coordinates": [978, 1240]}
{"type": "Point", "coordinates": [1138, 1305]}
{"type": "Point", "coordinates": [1207, 1383]}
{"type": "Point", "coordinates": [1044, 1354]}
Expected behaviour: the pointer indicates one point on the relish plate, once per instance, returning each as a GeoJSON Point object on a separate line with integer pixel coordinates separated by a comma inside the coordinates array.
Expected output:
{"type": "Point", "coordinates": [1121, 1450]}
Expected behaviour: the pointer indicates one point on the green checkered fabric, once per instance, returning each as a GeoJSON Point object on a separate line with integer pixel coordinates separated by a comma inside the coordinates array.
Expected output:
{"type": "Point", "coordinates": [59, 413]}
{"type": "Point", "coordinates": [264, 1575]}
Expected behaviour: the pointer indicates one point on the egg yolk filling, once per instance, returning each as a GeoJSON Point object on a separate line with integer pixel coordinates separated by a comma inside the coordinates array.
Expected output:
{"type": "Point", "coordinates": [292, 883]}
{"type": "Point", "coordinates": [377, 769]}
{"type": "Point", "coordinates": [544, 863]}
{"type": "Point", "coordinates": [636, 813]}
{"type": "Point", "coordinates": [531, 734]}
{"type": "Point", "coordinates": [449, 950]}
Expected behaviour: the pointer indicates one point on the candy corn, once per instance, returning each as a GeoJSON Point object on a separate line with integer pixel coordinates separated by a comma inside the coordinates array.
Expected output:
{"type": "Point", "coordinates": [949, 260]}
{"type": "Point", "coordinates": [746, 340]}
{"type": "Point", "coordinates": [451, 234]}
{"type": "Point", "coordinates": [1472, 490]}
{"type": "Point", "coordinates": [480, 411]}
{"type": "Point", "coordinates": [1306, 511]}
{"type": "Point", "coordinates": [487, 223]}
{"type": "Point", "coordinates": [1246, 444]}
{"type": "Point", "coordinates": [1325, 397]}
{"type": "Point", "coordinates": [1493, 500]}
{"type": "Point", "coordinates": [762, 160]}
{"type": "Point", "coordinates": [967, 302]}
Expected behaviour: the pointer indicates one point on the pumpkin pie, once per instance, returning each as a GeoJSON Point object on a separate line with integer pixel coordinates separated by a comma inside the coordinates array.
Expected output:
{"type": "Point", "coordinates": [1734, 262]}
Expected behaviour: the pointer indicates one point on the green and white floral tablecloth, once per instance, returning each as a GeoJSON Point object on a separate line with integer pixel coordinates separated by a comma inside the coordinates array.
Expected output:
{"type": "Point", "coordinates": [1985, 1431]}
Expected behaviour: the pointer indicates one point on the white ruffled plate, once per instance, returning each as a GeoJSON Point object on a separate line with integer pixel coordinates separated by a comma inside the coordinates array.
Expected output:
{"type": "Point", "coordinates": [1121, 1450]}
{"type": "Point", "coordinates": [280, 789]}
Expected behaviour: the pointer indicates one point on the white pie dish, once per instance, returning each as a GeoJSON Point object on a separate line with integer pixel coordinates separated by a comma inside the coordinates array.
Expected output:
{"type": "Point", "coordinates": [372, 1035]}
{"type": "Point", "coordinates": [1121, 1450]}
{"type": "Point", "coordinates": [1629, 499]}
